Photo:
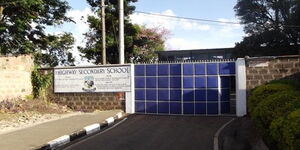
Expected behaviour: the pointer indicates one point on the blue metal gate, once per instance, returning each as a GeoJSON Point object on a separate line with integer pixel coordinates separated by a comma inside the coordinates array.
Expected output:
{"type": "Point", "coordinates": [183, 88]}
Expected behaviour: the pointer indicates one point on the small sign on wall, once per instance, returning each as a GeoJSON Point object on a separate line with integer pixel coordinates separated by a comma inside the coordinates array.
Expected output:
{"type": "Point", "coordinates": [94, 79]}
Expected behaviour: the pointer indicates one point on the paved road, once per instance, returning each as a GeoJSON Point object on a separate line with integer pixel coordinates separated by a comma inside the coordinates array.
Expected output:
{"type": "Point", "coordinates": [149, 132]}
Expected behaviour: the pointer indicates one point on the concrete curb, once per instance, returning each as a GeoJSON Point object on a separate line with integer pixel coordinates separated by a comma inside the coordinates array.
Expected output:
{"type": "Point", "coordinates": [216, 136]}
{"type": "Point", "coordinates": [93, 128]}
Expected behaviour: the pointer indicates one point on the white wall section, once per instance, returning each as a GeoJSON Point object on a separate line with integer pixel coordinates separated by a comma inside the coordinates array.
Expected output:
{"type": "Point", "coordinates": [241, 95]}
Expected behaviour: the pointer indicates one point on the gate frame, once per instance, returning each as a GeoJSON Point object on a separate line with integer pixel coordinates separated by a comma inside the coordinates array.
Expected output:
{"type": "Point", "coordinates": [240, 78]}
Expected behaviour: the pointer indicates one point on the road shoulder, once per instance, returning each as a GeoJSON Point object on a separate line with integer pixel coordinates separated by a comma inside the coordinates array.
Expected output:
{"type": "Point", "coordinates": [241, 134]}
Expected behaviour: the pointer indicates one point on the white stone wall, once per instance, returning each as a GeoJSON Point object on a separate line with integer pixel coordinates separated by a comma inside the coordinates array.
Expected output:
{"type": "Point", "coordinates": [15, 76]}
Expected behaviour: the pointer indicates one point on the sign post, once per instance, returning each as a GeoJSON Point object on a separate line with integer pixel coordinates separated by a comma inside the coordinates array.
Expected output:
{"type": "Point", "coordinates": [130, 96]}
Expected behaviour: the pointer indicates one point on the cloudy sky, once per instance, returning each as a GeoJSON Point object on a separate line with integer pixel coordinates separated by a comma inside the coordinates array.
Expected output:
{"type": "Point", "coordinates": [185, 34]}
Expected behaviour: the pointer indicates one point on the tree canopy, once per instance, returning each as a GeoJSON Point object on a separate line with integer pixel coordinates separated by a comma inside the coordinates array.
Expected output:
{"type": "Point", "coordinates": [56, 51]}
{"type": "Point", "coordinates": [147, 42]}
{"type": "Point", "coordinates": [22, 30]}
{"type": "Point", "coordinates": [138, 47]}
{"type": "Point", "coordinates": [272, 27]}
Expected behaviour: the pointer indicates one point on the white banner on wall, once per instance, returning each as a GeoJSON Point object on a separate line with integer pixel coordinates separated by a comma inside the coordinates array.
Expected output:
{"type": "Point", "coordinates": [96, 79]}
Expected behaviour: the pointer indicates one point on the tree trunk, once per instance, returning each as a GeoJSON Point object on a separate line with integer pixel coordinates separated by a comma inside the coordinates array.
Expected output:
{"type": "Point", "coordinates": [1, 12]}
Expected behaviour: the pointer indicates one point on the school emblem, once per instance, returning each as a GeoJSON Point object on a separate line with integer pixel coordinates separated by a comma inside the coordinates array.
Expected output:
{"type": "Point", "coordinates": [89, 84]}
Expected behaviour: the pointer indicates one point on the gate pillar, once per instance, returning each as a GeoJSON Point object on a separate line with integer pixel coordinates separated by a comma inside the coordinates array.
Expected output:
{"type": "Point", "coordinates": [130, 96]}
{"type": "Point", "coordinates": [241, 100]}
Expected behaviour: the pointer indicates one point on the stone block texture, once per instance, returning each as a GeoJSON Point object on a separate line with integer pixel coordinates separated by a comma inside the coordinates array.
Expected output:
{"type": "Point", "coordinates": [15, 76]}
{"type": "Point", "coordinates": [88, 101]}
{"type": "Point", "coordinates": [261, 70]}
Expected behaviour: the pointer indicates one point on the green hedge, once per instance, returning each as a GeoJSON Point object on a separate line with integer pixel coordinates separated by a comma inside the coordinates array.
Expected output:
{"type": "Point", "coordinates": [286, 130]}
{"type": "Point", "coordinates": [262, 92]}
{"type": "Point", "coordinates": [273, 107]}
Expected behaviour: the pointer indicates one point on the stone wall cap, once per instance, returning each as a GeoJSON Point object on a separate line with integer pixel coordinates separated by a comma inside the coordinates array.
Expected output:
{"type": "Point", "coordinates": [15, 55]}
{"type": "Point", "coordinates": [272, 57]}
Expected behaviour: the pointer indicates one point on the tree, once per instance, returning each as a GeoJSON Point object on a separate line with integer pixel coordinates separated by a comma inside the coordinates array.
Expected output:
{"type": "Point", "coordinates": [56, 52]}
{"type": "Point", "coordinates": [272, 27]}
{"type": "Point", "coordinates": [147, 42]}
{"type": "Point", "coordinates": [138, 47]}
{"type": "Point", "coordinates": [92, 50]}
{"type": "Point", "coordinates": [22, 29]}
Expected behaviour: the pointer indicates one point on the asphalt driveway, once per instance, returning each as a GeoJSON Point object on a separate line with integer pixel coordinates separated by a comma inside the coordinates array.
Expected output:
{"type": "Point", "coordinates": [149, 132]}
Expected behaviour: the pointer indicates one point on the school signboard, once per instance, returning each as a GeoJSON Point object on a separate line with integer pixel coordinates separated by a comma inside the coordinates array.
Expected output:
{"type": "Point", "coordinates": [94, 79]}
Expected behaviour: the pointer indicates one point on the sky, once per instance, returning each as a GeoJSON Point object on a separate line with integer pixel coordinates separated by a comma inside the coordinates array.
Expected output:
{"type": "Point", "coordinates": [184, 34]}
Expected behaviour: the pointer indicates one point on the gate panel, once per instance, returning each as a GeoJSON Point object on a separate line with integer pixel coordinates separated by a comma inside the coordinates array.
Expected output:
{"type": "Point", "coordinates": [184, 88]}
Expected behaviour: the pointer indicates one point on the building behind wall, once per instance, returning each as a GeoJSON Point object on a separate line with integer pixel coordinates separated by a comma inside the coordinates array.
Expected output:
{"type": "Point", "coordinates": [197, 54]}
